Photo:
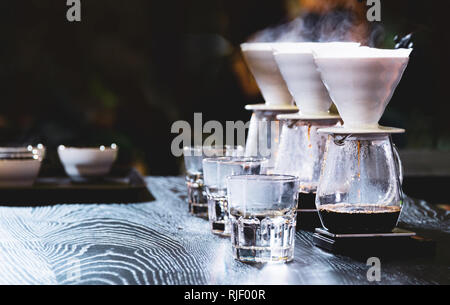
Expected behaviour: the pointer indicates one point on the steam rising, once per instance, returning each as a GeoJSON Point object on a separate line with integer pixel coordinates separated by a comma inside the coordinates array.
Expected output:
{"type": "Point", "coordinates": [338, 25]}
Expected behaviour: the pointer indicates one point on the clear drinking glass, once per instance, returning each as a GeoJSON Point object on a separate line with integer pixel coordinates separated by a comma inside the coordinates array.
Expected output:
{"type": "Point", "coordinates": [215, 172]}
{"type": "Point", "coordinates": [359, 189]}
{"type": "Point", "coordinates": [193, 157]}
{"type": "Point", "coordinates": [262, 211]}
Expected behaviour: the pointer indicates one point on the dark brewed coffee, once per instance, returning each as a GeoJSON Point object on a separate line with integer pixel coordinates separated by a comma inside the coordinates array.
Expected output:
{"type": "Point", "coordinates": [306, 201]}
{"type": "Point", "coordinates": [358, 218]}
{"type": "Point", "coordinates": [307, 217]}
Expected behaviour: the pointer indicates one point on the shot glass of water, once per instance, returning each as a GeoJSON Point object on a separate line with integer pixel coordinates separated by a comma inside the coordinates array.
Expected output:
{"type": "Point", "coordinates": [193, 157]}
{"type": "Point", "coordinates": [263, 216]}
{"type": "Point", "coordinates": [216, 170]}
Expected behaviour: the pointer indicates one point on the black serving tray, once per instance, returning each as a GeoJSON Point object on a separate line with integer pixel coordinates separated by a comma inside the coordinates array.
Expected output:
{"type": "Point", "coordinates": [398, 243]}
{"type": "Point", "coordinates": [54, 187]}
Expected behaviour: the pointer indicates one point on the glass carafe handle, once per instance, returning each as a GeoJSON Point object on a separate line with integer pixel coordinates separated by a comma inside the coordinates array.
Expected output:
{"type": "Point", "coordinates": [398, 163]}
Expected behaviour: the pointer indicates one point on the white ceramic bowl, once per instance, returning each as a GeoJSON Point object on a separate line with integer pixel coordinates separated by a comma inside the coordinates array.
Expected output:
{"type": "Point", "coordinates": [296, 63]}
{"type": "Point", "coordinates": [19, 168]}
{"type": "Point", "coordinates": [361, 81]}
{"type": "Point", "coordinates": [39, 149]}
{"type": "Point", "coordinates": [261, 62]}
{"type": "Point", "coordinates": [85, 163]}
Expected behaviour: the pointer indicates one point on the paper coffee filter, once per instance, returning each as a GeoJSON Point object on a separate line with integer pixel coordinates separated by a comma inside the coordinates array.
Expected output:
{"type": "Point", "coordinates": [261, 63]}
{"type": "Point", "coordinates": [308, 47]}
{"type": "Point", "coordinates": [361, 82]}
{"type": "Point", "coordinates": [360, 52]}
{"type": "Point", "coordinates": [297, 66]}
{"type": "Point", "coordinates": [257, 46]}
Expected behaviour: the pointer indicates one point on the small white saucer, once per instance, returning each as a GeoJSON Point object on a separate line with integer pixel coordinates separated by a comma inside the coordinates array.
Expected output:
{"type": "Point", "coordinates": [377, 130]}
{"type": "Point", "coordinates": [302, 116]}
{"type": "Point", "coordinates": [265, 107]}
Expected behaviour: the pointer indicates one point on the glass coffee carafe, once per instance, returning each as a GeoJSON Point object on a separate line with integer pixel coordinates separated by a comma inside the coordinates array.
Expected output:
{"type": "Point", "coordinates": [264, 135]}
{"type": "Point", "coordinates": [301, 151]}
{"type": "Point", "coordinates": [300, 154]}
{"type": "Point", "coordinates": [359, 190]}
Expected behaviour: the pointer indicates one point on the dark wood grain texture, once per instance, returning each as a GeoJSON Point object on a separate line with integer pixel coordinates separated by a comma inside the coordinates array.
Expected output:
{"type": "Point", "coordinates": [160, 243]}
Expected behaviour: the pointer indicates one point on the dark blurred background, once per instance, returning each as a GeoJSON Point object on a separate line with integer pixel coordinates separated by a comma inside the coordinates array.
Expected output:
{"type": "Point", "coordinates": [129, 69]}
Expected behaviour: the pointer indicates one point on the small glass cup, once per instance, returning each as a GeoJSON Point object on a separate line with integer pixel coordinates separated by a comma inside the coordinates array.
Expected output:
{"type": "Point", "coordinates": [263, 215]}
{"type": "Point", "coordinates": [216, 170]}
{"type": "Point", "coordinates": [193, 157]}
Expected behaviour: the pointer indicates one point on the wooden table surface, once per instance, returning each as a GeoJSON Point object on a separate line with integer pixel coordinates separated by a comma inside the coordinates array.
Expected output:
{"type": "Point", "coordinates": [160, 243]}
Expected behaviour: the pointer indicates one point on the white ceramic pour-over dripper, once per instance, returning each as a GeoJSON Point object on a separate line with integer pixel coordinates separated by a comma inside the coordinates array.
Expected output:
{"type": "Point", "coordinates": [361, 82]}
{"type": "Point", "coordinates": [261, 62]}
{"type": "Point", "coordinates": [296, 63]}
